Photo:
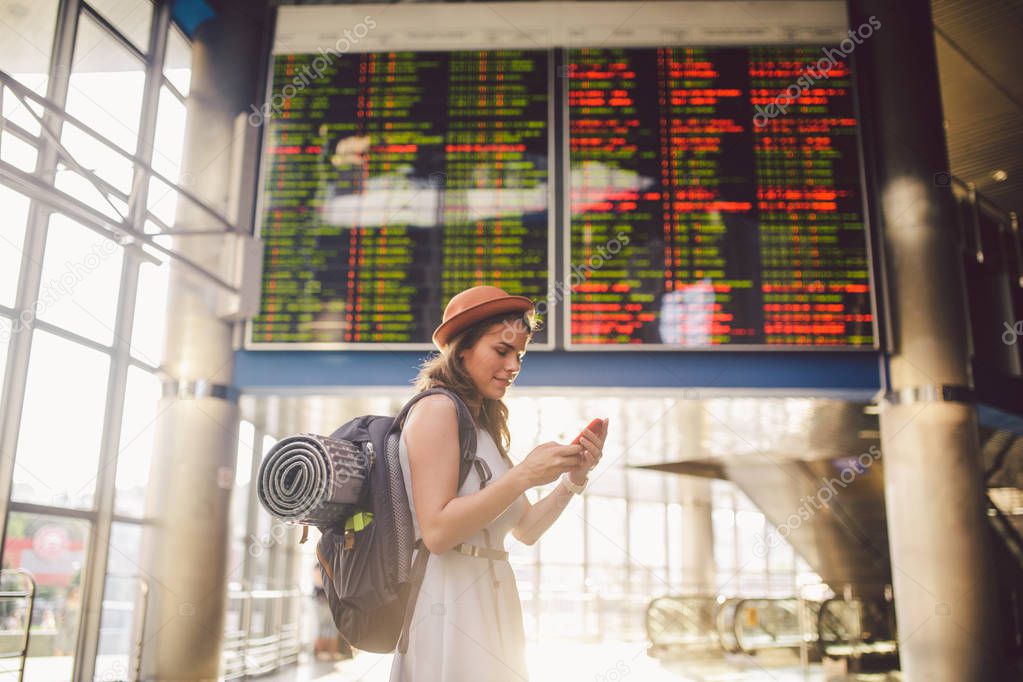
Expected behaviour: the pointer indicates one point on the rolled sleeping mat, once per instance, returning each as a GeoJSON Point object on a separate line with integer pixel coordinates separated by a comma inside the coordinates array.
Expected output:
{"type": "Point", "coordinates": [312, 480]}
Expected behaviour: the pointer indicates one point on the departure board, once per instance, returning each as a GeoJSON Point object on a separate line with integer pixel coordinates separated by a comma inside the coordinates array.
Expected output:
{"type": "Point", "coordinates": [715, 199]}
{"type": "Point", "coordinates": [393, 180]}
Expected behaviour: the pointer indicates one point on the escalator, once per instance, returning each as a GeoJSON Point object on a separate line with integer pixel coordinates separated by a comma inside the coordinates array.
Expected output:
{"type": "Point", "coordinates": [817, 474]}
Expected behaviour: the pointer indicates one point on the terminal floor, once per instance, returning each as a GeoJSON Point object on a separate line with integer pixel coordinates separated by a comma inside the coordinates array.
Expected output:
{"type": "Point", "coordinates": [561, 662]}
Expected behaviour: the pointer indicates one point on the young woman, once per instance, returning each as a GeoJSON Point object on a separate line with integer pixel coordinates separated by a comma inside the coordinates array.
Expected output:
{"type": "Point", "coordinates": [467, 624]}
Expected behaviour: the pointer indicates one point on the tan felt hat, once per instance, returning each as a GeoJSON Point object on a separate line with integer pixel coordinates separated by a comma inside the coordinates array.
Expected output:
{"type": "Point", "coordinates": [468, 307]}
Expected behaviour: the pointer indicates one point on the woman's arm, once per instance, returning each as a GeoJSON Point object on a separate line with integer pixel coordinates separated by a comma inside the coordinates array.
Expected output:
{"type": "Point", "coordinates": [542, 515]}
{"type": "Point", "coordinates": [431, 434]}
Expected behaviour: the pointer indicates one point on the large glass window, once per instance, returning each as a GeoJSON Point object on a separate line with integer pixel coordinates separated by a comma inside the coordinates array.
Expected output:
{"type": "Point", "coordinates": [12, 240]}
{"type": "Point", "coordinates": [28, 42]}
{"type": "Point", "coordinates": [170, 131]}
{"type": "Point", "coordinates": [259, 545]}
{"type": "Point", "coordinates": [25, 114]}
{"type": "Point", "coordinates": [131, 17]}
{"type": "Point", "coordinates": [750, 528]}
{"type": "Point", "coordinates": [138, 431]}
{"type": "Point", "coordinates": [108, 164]}
{"type": "Point", "coordinates": [605, 530]}
{"type": "Point", "coordinates": [82, 188]}
{"type": "Point", "coordinates": [61, 423]}
{"type": "Point", "coordinates": [563, 542]}
{"type": "Point", "coordinates": [561, 614]}
{"type": "Point", "coordinates": [53, 550]}
{"type": "Point", "coordinates": [256, 547]}
{"type": "Point", "coordinates": [162, 204]}
{"type": "Point", "coordinates": [746, 564]}
{"type": "Point", "coordinates": [647, 537]}
{"type": "Point", "coordinates": [177, 64]}
{"type": "Point", "coordinates": [609, 587]}
{"type": "Point", "coordinates": [781, 558]}
{"type": "Point", "coordinates": [675, 556]}
{"type": "Point", "coordinates": [120, 600]}
{"type": "Point", "coordinates": [80, 280]}
{"type": "Point", "coordinates": [6, 329]}
{"type": "Point", "coordinates": [105, 92]}
{"type": "Point", "coordinates": [150, 322]}
{"type": "Point", "coordinates": [252, 546]}
{"type": "Point", "coordinates": [17, 152]}
{"type": "Point", "coordinates": [107, 82]}
{"type": "Point", "coordinates": [62, 413]}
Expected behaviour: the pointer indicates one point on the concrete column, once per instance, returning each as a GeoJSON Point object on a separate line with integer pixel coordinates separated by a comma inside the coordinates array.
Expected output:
{"type": "Point", "coordinates": [699, 572]}
{"type": "Point", "coordinates": [936, 518]}
{"type": "Point", "coordinates": [185, 549]}
{"type": "Point", "coordinates": [698, 569]}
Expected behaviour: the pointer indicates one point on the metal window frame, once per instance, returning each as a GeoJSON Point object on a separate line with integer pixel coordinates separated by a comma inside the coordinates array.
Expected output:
{"type": "Point", "coordinates": [130, 231]}
{"type": "Point", "coordinates": [45, 200]}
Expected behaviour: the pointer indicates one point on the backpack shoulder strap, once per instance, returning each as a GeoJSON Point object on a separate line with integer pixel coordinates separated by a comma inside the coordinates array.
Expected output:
{"type": "Point", "coordinates": [466, 428]}
{"type": "Point", "coordinates": [467, 444]}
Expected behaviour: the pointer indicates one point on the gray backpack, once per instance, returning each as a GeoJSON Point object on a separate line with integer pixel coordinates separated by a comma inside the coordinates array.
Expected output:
{"type": "Point", "coordinates": [369, 576]}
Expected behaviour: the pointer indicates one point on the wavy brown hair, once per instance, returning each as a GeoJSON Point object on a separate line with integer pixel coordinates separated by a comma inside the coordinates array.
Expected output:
{"type": "Point", "coordinates": [446, 370]}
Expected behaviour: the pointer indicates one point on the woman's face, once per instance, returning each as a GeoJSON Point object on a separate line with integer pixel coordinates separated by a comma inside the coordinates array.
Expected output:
{"type": "Point", "coordinates": [495, 360]}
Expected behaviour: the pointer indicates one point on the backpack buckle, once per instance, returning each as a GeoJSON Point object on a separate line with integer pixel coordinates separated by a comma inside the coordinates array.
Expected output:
{"type": "Point", "coordinates": [354, 524]}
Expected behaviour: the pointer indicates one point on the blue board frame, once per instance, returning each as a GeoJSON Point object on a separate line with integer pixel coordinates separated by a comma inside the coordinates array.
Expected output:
{"type": "Point", "coordinates": [853, 375]}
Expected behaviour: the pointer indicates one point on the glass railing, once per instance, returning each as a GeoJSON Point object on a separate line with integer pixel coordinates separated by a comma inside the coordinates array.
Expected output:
{"type": "Point", "coordinates": [261, 631]}
{"type": "Point", "coordinates": [854, 628]}
{"type": "Point", "coordinates": [17, 599]}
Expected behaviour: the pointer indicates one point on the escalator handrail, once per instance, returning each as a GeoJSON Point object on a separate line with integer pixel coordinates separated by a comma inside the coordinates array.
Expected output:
{"type": "Point", "coordinates": [735, 620]}
{"type": "Point", "coordinates": [730, 602]}
{"type": "Point", "coordinates": [998, 463]}
{"type": "Point", "coordinates": [820, 619]}
{"type": "Point", "coordinates": [681, 599]}
{"type": "Point", "coordinates": [1013, 540]}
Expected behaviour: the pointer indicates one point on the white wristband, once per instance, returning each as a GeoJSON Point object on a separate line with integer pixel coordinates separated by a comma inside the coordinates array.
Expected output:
{"type": "Point", "coordinates": [572, 487]}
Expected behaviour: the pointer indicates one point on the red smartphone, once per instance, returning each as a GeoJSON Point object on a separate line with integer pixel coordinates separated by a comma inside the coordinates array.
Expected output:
{"type": "Point", "coordinates": [592, 426]}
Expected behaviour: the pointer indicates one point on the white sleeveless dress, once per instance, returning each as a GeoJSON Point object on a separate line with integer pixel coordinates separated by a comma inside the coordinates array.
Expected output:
{"type": "Point", "coordinates": [465, 629]}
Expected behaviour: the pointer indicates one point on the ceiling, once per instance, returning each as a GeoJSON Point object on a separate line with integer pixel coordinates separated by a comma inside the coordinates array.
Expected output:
{"type": "Point", "coordinates": [980, 50]}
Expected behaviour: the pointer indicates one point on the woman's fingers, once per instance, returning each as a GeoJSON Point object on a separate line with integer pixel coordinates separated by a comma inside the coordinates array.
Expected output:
{"type": "Point", "coordinates": [573, 457]}
{"type": "Point", "coordinates": [596, 439]}
{"type": "Point", "coordinates": [574, 448]}
{"type": "Point", "coordinates": [585, 461]}
{"type": "Point", "coordinates": [592, 445]}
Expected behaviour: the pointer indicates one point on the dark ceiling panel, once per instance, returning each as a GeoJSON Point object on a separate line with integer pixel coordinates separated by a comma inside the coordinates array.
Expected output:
{"type": "Point", "coordinates": [980, 50]}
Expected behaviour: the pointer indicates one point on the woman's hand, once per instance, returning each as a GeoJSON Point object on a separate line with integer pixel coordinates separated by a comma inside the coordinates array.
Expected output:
{"type": "Point", "coordinates": [593, 450]}
{"type": "Point", "coordinates": [549, 460]}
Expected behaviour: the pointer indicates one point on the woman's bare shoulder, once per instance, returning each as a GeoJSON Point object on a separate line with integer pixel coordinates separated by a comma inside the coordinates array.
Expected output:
{"type": "Point", "coordinates": [436, 403]}
{"type": "Point", "coordinates": [433, 410]}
